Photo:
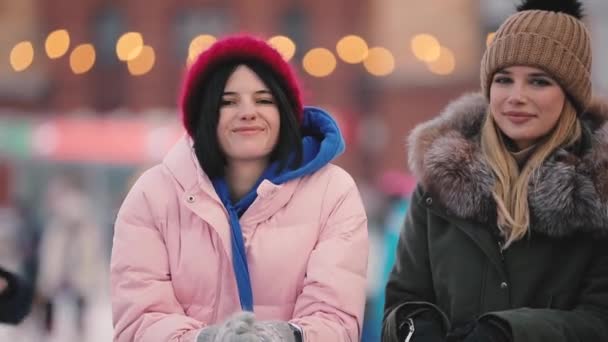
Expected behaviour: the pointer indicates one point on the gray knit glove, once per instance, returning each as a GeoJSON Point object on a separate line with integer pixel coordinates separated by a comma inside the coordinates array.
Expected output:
{"type": "Point", "coordinates": [237, 328]}
{"type": "Point", "coordinates": [273, 331]}
{"type": "Point", "coordinates": [208, 334]}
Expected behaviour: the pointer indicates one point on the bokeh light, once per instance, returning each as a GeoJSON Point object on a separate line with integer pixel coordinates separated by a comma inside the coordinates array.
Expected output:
{"type": "Point", "coordinates": [129, 46]}
{"type": "Point", "coordinates": [490, 38]}
{"type": "Point", "coordinates": [143, 63]}
{"type": "Point", "coordinates": [199, 44]}
{"type": "Point", "coordinates": [82, 58]}
{"type": "Point", "coordinates": [319, 62]}
{"type": "Point", "coordinates": [57, 43]}
{"type": "Point", "coordinates": [352, 49]}
{"type": "Point", "coordinates": [426, 47]}
{"type": "Point", "coordinates": [285, 46]}
{"type": "Point", "coordinates": [445, 64]}
{"type": "Point", "coordinates": [379, 62]}
{"type": "Point", "coordinates": [22, 55]}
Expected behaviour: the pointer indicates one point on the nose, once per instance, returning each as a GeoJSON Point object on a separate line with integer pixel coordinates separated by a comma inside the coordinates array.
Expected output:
{"type": "Point", "coordinates": [517, 94]}
{"type": "Point", "coordinates": [247, 110]}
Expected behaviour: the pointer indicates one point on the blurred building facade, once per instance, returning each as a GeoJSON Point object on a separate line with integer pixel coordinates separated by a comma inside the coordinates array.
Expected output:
{"type": "Point", "coordinates": [375, 111]}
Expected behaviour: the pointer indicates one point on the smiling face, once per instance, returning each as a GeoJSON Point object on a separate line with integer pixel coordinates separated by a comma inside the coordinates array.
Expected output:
{"type": "Point", "coordinates": [526, 103]}
{"type": "Point", "coordinates": [249, 120]}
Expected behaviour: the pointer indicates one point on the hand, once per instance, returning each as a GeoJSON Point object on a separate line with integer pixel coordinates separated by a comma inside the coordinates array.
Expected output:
{"type": "Point", "coordinates": [207, 334]}
{"type": "Point", "coordinates": [241, 327]}
{"type": "Point", "coordinates": [237, 328]}
{"type": "Point", "coordinates": [273, 331]}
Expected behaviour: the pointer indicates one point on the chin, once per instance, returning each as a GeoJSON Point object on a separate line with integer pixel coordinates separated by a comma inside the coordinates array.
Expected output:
{"type": "Point", "coordinates": [522, 137]}
{"type": "Point", "coordinates": [519, 135]}
{"type": "Point", "coordinates": [252, 155]}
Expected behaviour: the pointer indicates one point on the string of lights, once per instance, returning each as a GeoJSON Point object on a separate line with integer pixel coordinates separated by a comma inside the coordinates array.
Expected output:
{"type": "Point", "coordinates": [317, 62]}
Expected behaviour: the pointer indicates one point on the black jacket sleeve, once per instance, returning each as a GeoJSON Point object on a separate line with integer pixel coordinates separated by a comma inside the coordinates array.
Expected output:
{"type": "Point", "coordinates": [16, 300]}
{"type": "Point", "coordinates": [409, 291]}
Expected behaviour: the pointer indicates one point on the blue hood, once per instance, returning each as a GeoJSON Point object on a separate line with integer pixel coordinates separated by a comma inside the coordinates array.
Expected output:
{"type": "Point", "coordinates": [321, 141]}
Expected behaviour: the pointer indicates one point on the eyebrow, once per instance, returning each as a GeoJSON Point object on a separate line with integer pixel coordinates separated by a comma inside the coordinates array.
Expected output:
{"type": "Point", "coordinates": [534, 74]}
{"type": "Point", "coordinates": [259, 92]}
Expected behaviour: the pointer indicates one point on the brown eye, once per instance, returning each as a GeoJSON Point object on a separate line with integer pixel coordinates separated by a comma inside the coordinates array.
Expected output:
{"type": "Point", "coordinates": [540, 82]}
{"type": "Point", "coordinates": [226, 102]}
{"type": "Point", "coordinates": [502, 80]}
{"type": "Point", "coordinates": [266, 101]}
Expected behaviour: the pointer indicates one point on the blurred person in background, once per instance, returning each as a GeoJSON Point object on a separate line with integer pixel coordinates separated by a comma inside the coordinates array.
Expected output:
{"type": "Point", "coordinates": [72, 258]}
{"type": "Point", "coordinates": [16, 290]}
{"type": "Point", "coordinates": [246, 231]}
{"type": "Point", "coordinates": [506, 235]}
{"type": "Point", "coordinates": [396, 187]}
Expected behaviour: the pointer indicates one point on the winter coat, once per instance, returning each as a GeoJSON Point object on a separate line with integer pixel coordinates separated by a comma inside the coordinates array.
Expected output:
{"type": "Point", "coordinates": [16, 300]}
{"type": "Point", "coordinates": [72, 249]}
{"type": "Point", "coordinates": [305, 240]}
{"type": "Point", "coordinates": [552, 285]}
{"type": "Point", "coordinates": [11, 251]}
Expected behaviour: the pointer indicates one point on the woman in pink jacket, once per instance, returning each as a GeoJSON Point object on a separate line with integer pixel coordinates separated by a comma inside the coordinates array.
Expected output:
{"type": "Point", "coordinates": [245, 231]}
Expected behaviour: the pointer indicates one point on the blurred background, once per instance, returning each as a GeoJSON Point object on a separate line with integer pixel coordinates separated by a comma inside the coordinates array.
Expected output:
{"type": "Point", "coordinates": [88, 93]}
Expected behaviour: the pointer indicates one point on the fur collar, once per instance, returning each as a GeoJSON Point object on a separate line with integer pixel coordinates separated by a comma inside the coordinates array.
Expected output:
{"type": "Point", "coordinates": [569, 195]}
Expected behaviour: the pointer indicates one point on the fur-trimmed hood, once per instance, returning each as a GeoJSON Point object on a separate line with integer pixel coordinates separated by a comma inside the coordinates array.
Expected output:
{"type": "Point", "coordinates": [569, 195]}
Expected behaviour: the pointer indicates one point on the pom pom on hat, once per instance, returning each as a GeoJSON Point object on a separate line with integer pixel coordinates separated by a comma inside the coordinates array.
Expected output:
{"type": "Point", "coordinates": [571, 7]}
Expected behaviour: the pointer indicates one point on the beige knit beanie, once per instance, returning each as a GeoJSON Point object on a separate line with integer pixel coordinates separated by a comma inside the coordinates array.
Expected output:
{"type": "Point", "coordinates": [549, 35]}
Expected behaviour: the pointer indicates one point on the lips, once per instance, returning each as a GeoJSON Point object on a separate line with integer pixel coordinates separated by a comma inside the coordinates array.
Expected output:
{"type": "Point", "coordinates": [248, 130]}
{"type": "Point", "coordinates": [519, 117]}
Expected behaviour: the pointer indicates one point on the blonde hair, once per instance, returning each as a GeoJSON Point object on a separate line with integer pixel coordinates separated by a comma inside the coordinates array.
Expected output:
{"type": "Point", "coordinates": [511, 188]}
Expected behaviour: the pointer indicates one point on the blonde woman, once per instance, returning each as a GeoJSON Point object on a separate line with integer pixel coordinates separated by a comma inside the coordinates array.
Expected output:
{"type": "Point", "coordinates": [506, 235]}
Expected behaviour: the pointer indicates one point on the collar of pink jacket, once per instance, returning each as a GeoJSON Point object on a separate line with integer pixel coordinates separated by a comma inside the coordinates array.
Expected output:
{"type": "Point", "coordinates": [197, 186]}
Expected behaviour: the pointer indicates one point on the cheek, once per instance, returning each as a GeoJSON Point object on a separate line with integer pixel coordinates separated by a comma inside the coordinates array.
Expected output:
{"type": "Point", "coordinates": [497, 97]}
{"type": "Point", "coordinates": [553, 117]}
{"type": "Point", "coordinates": [275, 125]}
{"type": "Point", "coordinates": [277, 128]}
{"type": "Point", "coordinates": [495, 110]}
{"type": "Point", "coordinates": [552, 107]}
{"type": "Point", "coordinates": [501, 123]}
{"type": "Point", "coordinates": [222, 141]}
{"type": "Point", "coordinates": [221, 133]}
